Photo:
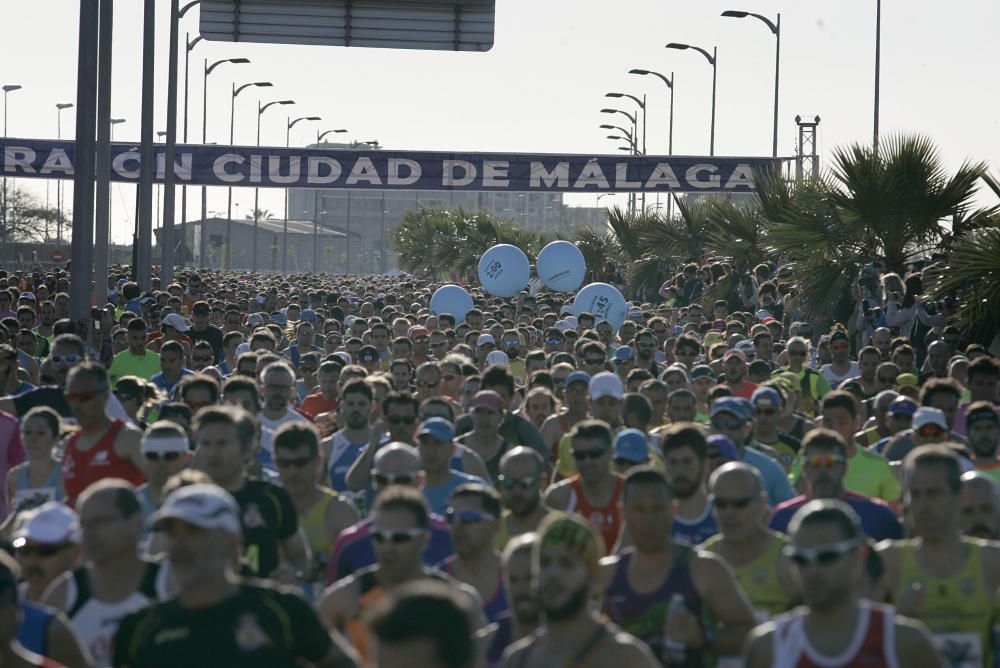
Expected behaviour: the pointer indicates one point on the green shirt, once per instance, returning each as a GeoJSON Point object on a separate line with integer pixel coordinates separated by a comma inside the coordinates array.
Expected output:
{"type": "Point", "coordinates": [868, 473]}
{"type": "Point", "coordinates": [126, 364]}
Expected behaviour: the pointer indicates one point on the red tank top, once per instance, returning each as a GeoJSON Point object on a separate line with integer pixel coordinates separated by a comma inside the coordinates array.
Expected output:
{"type": "Point", "coordinates": [607, 520]}
{"type": "Point", "coordinates": [82, 469]}
{"type": "Point", "coordinates": [873, 645]}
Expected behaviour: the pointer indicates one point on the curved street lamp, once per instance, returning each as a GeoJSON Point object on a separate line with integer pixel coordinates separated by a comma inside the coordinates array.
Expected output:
{"type": "Point", "coordinates": [232, 129]}
{"type": "Point", "coordinates": [713, 60]}
{"type": "Point", "coordinates": [775, 28]}
{"type": "Point", "coordinates": [289, 124]}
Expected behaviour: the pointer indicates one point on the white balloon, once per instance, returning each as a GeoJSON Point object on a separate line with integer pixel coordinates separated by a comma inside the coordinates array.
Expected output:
{"type": "Point", "coordinates": [504, 270]}
{"type": "Point", "coordinates": [604, 301]}
{"type": "Point", "coordinates": [561, 266]}
{"type": "Point", "coordinates": [452, 299]}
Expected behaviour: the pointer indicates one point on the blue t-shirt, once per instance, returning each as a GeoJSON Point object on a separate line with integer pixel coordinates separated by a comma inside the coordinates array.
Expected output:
{"type": "Point", "coordinates": [439, 496]}
{"type": "Point", "coordinates": [165, 385]}
{"type": "Point", "coordinates": [696, 531]}
{"type": "Point", "coordinates": [775, 481]}
{"type": "Point", "coordinates": [877, 519]}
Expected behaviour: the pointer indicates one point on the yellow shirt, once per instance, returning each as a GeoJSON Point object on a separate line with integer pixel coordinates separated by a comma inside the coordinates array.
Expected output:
{"type": "Point", "coordinates": [759, 578]}
{"type": "Point", "coordinates": [566, 465]}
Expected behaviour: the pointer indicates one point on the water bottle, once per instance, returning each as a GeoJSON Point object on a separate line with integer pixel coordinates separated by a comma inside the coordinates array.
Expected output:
{"type": "Point", "coordinates": [674, 650]}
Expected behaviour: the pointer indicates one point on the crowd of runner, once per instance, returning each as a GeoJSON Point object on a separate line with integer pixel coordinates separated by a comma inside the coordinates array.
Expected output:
{"type": "Point", "coordinates": [258, 470]}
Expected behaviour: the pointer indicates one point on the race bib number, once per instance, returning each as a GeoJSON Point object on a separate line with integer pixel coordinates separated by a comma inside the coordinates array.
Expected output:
{"type": "Point", "coordinates": [960, 650]}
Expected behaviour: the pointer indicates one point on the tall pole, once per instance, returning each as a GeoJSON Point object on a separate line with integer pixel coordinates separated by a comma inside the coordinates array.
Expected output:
{"type": "Point", "coordinates": [167, 243]}
{"type": "Point", "coordinates": [59, 215]}
{"type": "Point", "coordinates": [315, 262]}
{"type": "Point", "coordinates": [189, 44]}
{"type": "Point", "coordinates": [203, 232]}
{"type": "Point", "coordinates": [383, 267]}
{"type": "Point", "coordinates": [147, 166]}
{"type": "Point", "coordinates": [777, 75]}
{"type": "Point", "coordinates": [347, 238]}
{"type": "Point", "coordinates": [256, 191]}
{"type": "Point", "coordinates": [670, 147]}
{"type": "Point", "coordinates": [229, 209]}
{"type": "Point", "coordinates": [715, 72]}
{"type": "Point", "coordinates": [102, 219]}
{"type": "Point", "coordinates": [6, 89]}
{"type": "Point", "coordinates": [284, 227]}
{"type": "Point", "coordinates": [878, 64]}
{"type": "Point", "coordinates": [81, 271]}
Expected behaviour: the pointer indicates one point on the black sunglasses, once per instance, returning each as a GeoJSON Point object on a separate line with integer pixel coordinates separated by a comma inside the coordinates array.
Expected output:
{"type": "Point", "coordinates": [583, 455]}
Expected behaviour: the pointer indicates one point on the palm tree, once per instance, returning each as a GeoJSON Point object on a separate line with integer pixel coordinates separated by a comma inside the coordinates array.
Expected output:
{"type": "Point", "coordinates": [971, 276]}
{"type": "Point", "coordinates": [262, 214]}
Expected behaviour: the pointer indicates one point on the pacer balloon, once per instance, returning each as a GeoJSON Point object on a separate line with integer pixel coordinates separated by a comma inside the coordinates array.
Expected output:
{"type": "Point", "coordinates": [451, 299]}
{"type": "Point", "coordinates": [561, 266]}
{"type": "Point", "coordinates": [604, 301]}
{"type": "Point", "coordinates": [504, 270]}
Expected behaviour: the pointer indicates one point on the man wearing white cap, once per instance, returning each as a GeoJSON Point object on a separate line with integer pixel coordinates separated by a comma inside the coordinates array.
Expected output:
{"type": "Point", "coordinates": [46, 545]}
{"type": "Point", "coordinates": [165, 451]}
{"type": "Point", "coordinates": [242, 624]}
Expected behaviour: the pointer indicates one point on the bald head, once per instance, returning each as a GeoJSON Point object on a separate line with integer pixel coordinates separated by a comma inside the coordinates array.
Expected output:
{"type": "Point", "coordinates": [520, 458]}
{"type": "Point", "coordinates": [738, 473]}
{"type": "Point", "coordinates": [884, 398]}
{"type": "Point", "coordinates": [938, 347]}
{"type": "Point", "coordinates": [397, 458]}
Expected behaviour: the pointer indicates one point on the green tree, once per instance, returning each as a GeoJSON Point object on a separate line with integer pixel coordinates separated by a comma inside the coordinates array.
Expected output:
{"type": "Point", "coordinates": [28, 218]}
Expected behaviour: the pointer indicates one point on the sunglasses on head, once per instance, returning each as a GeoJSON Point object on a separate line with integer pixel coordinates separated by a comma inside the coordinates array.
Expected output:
{"type": "Point", "coordinates": [505, 482]}
{"type": "Point", "coordinates": [823, 555]}
{"type": "Point", "coordinates": [824, 461]}
{"type": "Point", "coordinates": [401, 419]}
{"type": "Point", "coordinates": [395, 536]}
{"type": "Point", "coordinates": [42, 550]}
{"type": "Point", "coordinates": [468, 516]}
{"type": "Point", "coordinates": [737, 504]}
{"type": "Point", "coordinates": [583, 455]}
{"type": "Point", "coordinates": [165, 456]}
{"type": "Point", "coordinates": [293, 462]}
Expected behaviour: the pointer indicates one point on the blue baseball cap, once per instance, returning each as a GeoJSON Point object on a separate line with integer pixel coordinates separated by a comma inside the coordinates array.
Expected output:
{"type": "Point", "coordinates": [767, 397]}
{"type": "Point", "coordinates": [578, 377]}
{"type": "Point", "coordinates": [438, 428]}
{"type": "Point", "coordinates": [631, 444]}
{"type": "Point", "coordinates": [624, 354]}
{"type": "Point", "coordinates": [741, 408]}
{"type": "Point", "coordinates": [725, 447]}
{"type": "Point", "coordinates": [903, 406]}
{"type": "Point", "coordinates": [702, 371]}
{"type": "Point", "coordinates": [308, 314]}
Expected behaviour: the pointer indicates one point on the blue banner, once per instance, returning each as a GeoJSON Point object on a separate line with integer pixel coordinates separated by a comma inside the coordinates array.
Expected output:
{"type": "Point", "coordinates": [269, 167]}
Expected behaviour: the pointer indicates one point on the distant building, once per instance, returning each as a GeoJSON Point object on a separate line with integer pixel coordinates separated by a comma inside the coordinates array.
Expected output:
{"type": "Point", "coordinates": [368, 217]}
{"type": "Point", "coordinates": [304, 244]}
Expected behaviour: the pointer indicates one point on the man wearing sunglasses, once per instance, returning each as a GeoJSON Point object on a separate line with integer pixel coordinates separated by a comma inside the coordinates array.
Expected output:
{"type": "Point", "coordinates": [841, 366]}
{"type": "Point", "coordinates": [752, 550]}
{"type": "Point", "coordinates": [46, 545]}
{"type": "Point", "coordinates": [395, 464]}
{"type": "Point", "coordinates": [929, 425]}
{"type": "Point", "coordinates": [400, 532]}
{"type": "Point", "coordinates": [520, 483]}
{"type": "Point", "coordinates": [824, 465]}
{"type": "Point", "coordinates": [944, 579]}
{"type": "Point", "coordinates": [814, 385]}
{"type": "Point", "coordinates": [660, 569]}
{"type": "Point", "coordinates": [836, 626]}
{"type": "Point", "coordinates": [165, 450]}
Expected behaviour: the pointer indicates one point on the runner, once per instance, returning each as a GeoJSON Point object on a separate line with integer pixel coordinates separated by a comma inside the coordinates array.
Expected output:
{"type": "Point", "coordinates": [980, 506]}
{"type": "Point", "coordinates": [567, 569]}
{"type": "Point", "coordinates": [752, 550]}
{"type": "Point", "coordinates": [836, 627]}
{"type": "Point", "coordinates": [523, 618]}
{"type": "Point", "coordinates": [114, 581]}
{"type": "Point", "coordinates": [15, 616]}
{"type": "Point", "coordinates": [216, 620]}
{"type": "Point", "coordinates": [938, 576]}
{"type": "Point", "coordinates": [684, 454]}
{"type": "Point", "coordinates": [46, 545]}
{"type": "Point", "coordinates": [342, 449]}
{"type": "Point", "coordinates": [715, 615]}
{"type": "Point", "coordinates": [521, 480]}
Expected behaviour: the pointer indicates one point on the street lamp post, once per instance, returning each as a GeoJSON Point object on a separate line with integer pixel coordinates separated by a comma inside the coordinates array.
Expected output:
{"type": "Point", "coordinates": [775, 28]}
{"type": "Point", "coordinates": [713, 60]}
{"type": "Point", "coordinates": [670, 84]}
{"type": "Point", "coordinates": [633, 142]}
{"type": "Point", "coordinates": [59, 109]}
{"type": "Point", "coordinates": [642, 105]}
{"type": "Point", "coordinates": [256, 191]}
{"type": "Point", "coordinates": [8, 88]}
{"type": "Point", "coordinates": [204, 140]}
{"type": "Point", "coordinates": [189, 44]}
{"type": "Point", "coordinates": [289, 124]}
{"type": "Point", "coordinates": [232, 129]}
{"type": "Point", "coordinates": [878, 64]}
{"type": "Point", "coordinates": [321, 135]}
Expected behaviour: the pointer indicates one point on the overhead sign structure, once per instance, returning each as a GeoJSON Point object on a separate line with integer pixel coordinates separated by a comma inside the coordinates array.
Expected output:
{"type": "Point", "coordinates": [268, 167]}
{"type": "Point", "coordinates": [440, 25]}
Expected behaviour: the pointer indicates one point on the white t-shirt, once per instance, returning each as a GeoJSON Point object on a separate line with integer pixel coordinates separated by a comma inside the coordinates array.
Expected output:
{"type": "Point", "coordinates": [269, 426]}
{"type": "Point", "coordinates": [836, 380]}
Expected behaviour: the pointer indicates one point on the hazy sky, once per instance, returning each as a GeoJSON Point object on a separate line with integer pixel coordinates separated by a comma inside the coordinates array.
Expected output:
{"type": "Point", "coordinates": [541, 87]}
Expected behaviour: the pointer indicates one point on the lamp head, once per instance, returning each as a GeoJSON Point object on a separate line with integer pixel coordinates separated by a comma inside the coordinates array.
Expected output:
{"type": "Point", "coordinates": [238, 61]}
{"type": "Point", "coordinates": [679, 47]}
{"type": "Point", "coordinates": [609, 111]}
{"type": "Point", "coordinates": [614, 95]}
{"type": "Point", "coordinates": [263, 84]}
{"type": "Point", "coordinates": [735, 14]}
{"type": "Point", "coordinates": [11, 87]}
{"type": "Point", "coordinates": [607, 127]}
{"type": "Point", "coordinates": [64, 105]}
{"type": "Point", "coordinates": [642, 72]}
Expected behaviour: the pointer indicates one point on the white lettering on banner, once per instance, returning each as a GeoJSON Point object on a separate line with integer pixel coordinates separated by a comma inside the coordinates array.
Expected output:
{"type": "Point", "coordinates": [118, 164]}
{"type": "Point", "coordinates": [57, 161]}
{"type": "Point", "coordinates": [314, 177]}
{"type": "Point", "coordinates": [182, 169]}
{"type": "Point", "coordinates": [394, 178]}
{"type": "Point", "coordinates": [274, 169]}
{"type": "Point", "coordinates": [742, 177]}
{"type": "Point", "coordinates": [15, 157]}
{"type": "Point", "coordinates": [663, 175]}
{"type": "Point", "coordinates": [559, 176]}
{"type": "Point", "coordinates": [219, 168]}
{"type": "Point", "coordinates": [495, 173]}
{"type": "Point", "coordinates": [591, 175]}
{"type": "Point", "coordinates": [621, 177]}
{"type": "Point", "coordinates": [256, 168]}
{"type": "Point", "coordinates": [692, 176]}
{"type": "Point", "coordinates": [364, 170]}
{"type": "Point", "coordinates": [448, 173]}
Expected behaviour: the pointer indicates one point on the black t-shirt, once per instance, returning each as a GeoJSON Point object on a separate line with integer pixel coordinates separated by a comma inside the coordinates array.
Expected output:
{"type": "Point", "coordinates": [47, 395]}
{"type": "Point", "coordinates": [261, 626]}
{"type": "Point", "coordinates": [213, 335]}
{"type": "Point", "coordinates": [268, 517]}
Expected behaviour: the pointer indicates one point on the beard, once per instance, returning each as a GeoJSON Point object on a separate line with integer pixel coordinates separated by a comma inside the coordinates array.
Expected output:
{"type": "Point", "coordinates": [684, 488]}
{"type": "Point", "coordinates": [524, 507]}
{"type": "Point", "coordinates": [356, 420]}
{"type": "Point", "coordinates": [576, 601]}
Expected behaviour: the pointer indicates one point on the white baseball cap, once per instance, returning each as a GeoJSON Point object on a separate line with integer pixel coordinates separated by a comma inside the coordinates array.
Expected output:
{"type": "Point", "coordinates": [176, 321]}
{"type": "Point", "coordinates": [52, 522]}
{"type": "Point", "coordinates": [204, 505]}
{"type": "Point", "coordinates": [606, 384]}
{"type": "Point", "coordinates": [926, 415]}
{"type": "Point", "coordinates": [499, 358]}
{"type": "Point", "coordinates": [484, 339]}
{"type": "Point", "coordinates": [164, 436]}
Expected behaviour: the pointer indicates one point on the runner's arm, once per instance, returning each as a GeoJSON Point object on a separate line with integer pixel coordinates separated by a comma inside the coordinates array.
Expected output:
{"type": "Point", "coordinates": [295, 551]}
{"type": "Point", "coordinates": [64, 644]}
{"type": "Point", "coordinates": [914, 646]}
{"type": "Point", "coordinates": [728, 604]}
{"type": "Point", "coordinates": [758, 651]}
{"type": "Point", "coordinates": [360, 471]}
{"type": "Point", "coordinates": [55, 595]}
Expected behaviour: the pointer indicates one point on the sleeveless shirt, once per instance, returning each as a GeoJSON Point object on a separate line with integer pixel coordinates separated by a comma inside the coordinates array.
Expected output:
{"type": "Point", "coordinates": [27, 497]}
{"type": "Point", "coordinates": [81, 469]}
{"type": "Point", "coordinates": [606, 520]}
{"type": "Point", "coordinates": [957, 609]}
{"type": "Point", "coordinates": [759, 578]}
{"type": "Point", "coordinates": [313, 523]}
{"type": "Point", "coordinates": [873, 644]}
